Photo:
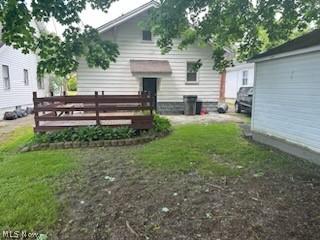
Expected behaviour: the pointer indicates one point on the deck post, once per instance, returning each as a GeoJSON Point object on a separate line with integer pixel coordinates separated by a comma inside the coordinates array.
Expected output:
{"type": "Point", "coordinates": [97, 108]}
{"type": "Point", "coordinates": [36, 113]}
{"type": "Point", "coordinates": [102, 93]}
{"type": "Point", "coordinates": [149, 96]}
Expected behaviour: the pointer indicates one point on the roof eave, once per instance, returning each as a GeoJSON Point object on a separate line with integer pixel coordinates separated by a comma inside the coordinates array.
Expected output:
{"type": "Point", "coordinates": [127, 16]}
{"type": "Point", "coordinates": [286, 54]}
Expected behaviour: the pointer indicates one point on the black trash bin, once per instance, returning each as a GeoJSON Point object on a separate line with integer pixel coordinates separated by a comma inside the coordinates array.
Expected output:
{"type": "Point", "coordinates": [198, 107]}
{"type": "Point", "coordinates": [190, 104]}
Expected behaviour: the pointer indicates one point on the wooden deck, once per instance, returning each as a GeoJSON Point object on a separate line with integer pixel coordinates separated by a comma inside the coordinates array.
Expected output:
{"type": "Point", "coordinates": [54, 113]}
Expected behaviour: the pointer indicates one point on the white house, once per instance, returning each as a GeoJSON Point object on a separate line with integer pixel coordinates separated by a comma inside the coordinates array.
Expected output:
{"type": "Point", "coordinates": [141, 66]}
{"type": "Point", "coordinates": [241, 75]}
{"type": "Point", "coordinates": [18, 79]}
{"type": "Point", "coordinates": [286, 109]}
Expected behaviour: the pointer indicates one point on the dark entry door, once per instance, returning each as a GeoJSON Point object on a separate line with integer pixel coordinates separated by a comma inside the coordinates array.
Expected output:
{"type": "Point", "coordinates": [150, 85]}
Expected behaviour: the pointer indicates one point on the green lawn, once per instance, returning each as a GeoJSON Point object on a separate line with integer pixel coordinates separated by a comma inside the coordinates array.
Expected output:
{"type": "Point", "coordinates": [27, 180]}
{"type": "Point", "coordinates": [215, 149]}
{"type": "Point", "coordinates": [27, 199]}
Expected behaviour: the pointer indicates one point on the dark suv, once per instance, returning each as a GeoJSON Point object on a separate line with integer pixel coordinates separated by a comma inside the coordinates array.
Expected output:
{"type": "Point", "coordinates": [244, 99]}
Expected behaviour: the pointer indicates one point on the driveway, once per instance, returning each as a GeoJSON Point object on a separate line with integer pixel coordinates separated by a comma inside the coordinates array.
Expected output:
{"type": "Point", "coordinates": [209, 118]}
{"type": "Point", "coordinates": [6, 127]}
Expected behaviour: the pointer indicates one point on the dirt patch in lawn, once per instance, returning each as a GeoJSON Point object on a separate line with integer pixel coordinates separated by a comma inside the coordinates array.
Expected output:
{"type": "Point", "coordinates": [115, 198]}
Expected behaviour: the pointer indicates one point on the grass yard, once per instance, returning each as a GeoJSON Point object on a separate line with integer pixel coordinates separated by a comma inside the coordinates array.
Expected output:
{"type": "Point", "coordinates": [27, 184]}
{"type": "Point", "coordinates": [214, 149]}
{"type": "Point", "coordinates": [202, 182]}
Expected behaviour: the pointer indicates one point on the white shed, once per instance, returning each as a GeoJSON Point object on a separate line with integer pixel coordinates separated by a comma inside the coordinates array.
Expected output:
{"type": "Point", "coordinates": [241, 75]}
{"type": "Point", "coordinates": [286, 109]}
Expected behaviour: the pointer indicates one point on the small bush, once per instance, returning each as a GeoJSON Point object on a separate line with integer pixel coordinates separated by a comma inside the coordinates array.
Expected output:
{"type": "Point", "coordinates": [161, 124]}
{"type": "Point", "coordinates": [85, 134]}
{"type": "Point", "coordinates": [72, 83]}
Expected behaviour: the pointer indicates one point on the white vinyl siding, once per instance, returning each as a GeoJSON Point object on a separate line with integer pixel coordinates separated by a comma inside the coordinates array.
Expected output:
{"type": "Point", "coordinates": [19, 94]}
{"type": "Point", "coordinates": [287, 99]}
{"type": "Point", "coordinates": [235, 79]}
{"type": "Point", "coordinates": [118, 79]}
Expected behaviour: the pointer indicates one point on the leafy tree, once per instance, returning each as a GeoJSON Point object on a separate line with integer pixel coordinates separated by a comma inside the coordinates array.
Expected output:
{"type": "Point", "coordinates": [251, 25]}
{"type": "Point", "coordinates": [58, 55]}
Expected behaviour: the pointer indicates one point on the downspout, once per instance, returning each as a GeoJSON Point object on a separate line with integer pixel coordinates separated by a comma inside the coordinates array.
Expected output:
{"type": "Point", "coordinates": [222, 86]}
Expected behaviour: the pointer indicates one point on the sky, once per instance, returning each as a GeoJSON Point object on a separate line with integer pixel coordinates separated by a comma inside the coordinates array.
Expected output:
{"type": "Point", "coordinates": [96, 18]}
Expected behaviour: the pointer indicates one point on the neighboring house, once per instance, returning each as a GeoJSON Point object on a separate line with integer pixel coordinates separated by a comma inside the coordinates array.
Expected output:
{"type": "Point", "coordinates": [18, 79]}
{"type": "Point", "coordinates": [241, 75]}
{"type": "Point", "coordinates": [141, 66]}
{"type": "Point", "coordinates": [286, 109]}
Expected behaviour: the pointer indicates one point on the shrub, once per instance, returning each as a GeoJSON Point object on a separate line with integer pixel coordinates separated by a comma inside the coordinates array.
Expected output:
{"type": "Point", "coordinates": [161, 124]}
{"type": "Point", "coordinates": [85, 134]}
{"type": "Point", "coordinates": [72, 83]}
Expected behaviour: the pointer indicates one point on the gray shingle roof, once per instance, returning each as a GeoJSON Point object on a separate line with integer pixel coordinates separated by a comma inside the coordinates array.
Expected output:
{"type": "Point", "coordinates": [308, 40]}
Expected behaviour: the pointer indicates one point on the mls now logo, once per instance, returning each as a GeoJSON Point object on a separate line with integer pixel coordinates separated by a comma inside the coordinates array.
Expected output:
{"type": "Point", "coordinates": [19, 235]}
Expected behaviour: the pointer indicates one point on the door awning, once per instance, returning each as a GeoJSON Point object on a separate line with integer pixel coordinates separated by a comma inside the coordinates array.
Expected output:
{"type": "Point", "coordinates": [150, 67]}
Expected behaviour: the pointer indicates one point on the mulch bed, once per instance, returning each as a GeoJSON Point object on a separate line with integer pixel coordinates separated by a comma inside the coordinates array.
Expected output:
{"type": "Point", "coordinates": [113, 197]}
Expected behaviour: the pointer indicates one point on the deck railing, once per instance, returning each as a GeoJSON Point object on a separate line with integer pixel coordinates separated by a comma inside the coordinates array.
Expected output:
{"type": "Point", "coordinates": [58, 112]}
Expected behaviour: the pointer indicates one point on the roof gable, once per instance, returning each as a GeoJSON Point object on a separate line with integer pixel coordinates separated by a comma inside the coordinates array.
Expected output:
{"type": "Point", "coordinates": [127, 16]}
{"type": "Point", "coordinates": [308, 40]}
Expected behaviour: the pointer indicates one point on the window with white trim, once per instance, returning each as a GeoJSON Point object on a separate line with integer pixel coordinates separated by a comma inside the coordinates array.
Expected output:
{"type": "Point", "coordinates": [6, 77]}
{"type": "Point", "coordinates": [192, 72]}
{"type": "Point", "coordinates": [245, 78]}
{"type": "Point", "coordinates": [146, 35]}
{"type": "Point", "coordinates": [26, 77]}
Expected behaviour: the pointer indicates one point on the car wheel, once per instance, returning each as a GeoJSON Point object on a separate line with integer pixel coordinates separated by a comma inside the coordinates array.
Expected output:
{"type": "Point", "coordinates": [237, 107]}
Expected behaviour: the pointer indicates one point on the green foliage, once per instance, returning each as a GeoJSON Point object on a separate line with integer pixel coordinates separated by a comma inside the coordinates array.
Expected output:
{"type": "Point", "coordinates": [85, 134]}
{"type": "Point", "coordinates": [72, 83]}
{"type": "Point", "coordinates": [58, 56]}
{"type": "Point", "coordinates": [56, 83]}
{"type": "Point", "coordinates": [226, 24]}
{"type": "Point", "coordinates": [161, 124]}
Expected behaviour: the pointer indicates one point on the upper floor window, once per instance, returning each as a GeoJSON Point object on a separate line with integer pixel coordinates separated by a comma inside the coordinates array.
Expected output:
{"type": "Point", "coordinates": [26, 77]}
{"type": "Point", "coordinates": [40, 82]}
{"type": "Point", "coordinates": [192, 72]}
{"type": "Point", "coordinates": [6, 76]}
{"type": "Point", "coordinates": [146, 35]}
{"type": "Point", "coordinates": [245, 78]}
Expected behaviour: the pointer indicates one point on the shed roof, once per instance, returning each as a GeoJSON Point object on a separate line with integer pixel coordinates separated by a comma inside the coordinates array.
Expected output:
{"type": "Point", "coordinates": [306, 41]}
{"type": "Point", "coordinates": [150, 67]}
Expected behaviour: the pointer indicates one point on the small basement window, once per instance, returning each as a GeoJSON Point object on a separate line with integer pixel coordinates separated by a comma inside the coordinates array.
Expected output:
{"type": "Point", "coordinates": [6, 77]}
{"type": "Point", "coordinates": [192, 72]}
{"type": "Point", "coordinates": [146, 35]}
{"type": "Point", "coordinates": [26, 77]}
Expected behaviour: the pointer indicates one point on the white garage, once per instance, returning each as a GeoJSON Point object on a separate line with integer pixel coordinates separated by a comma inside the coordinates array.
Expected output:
{"type": "Point", "coordinates": [286, 109]}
